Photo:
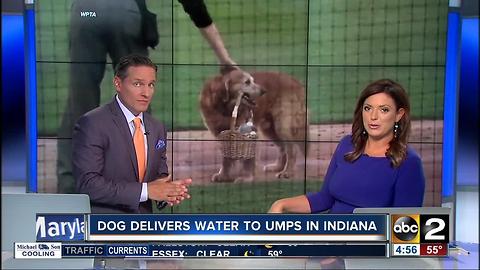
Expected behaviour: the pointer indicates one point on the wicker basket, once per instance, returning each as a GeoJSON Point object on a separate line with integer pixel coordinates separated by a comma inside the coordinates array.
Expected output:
{"type": "Point", "coordinates": [234, 144]}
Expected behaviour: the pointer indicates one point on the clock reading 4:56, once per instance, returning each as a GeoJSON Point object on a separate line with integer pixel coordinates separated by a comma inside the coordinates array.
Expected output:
{"type": "Point", "coordinates": [406, 250]}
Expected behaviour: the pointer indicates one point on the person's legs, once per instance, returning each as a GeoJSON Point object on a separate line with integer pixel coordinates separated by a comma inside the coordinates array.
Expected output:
{"type": "Point", "coordinates": [88, 58]}
{"type": "Point", "coordinates": [115, 29]}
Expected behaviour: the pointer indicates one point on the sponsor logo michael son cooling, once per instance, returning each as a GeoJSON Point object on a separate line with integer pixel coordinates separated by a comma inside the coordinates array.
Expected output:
{"type": "Point", "coordinates": [49, 250]}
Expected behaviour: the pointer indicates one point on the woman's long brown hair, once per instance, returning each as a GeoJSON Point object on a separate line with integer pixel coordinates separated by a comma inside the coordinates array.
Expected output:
{"type": "Point", "coordinates": [397, 150]}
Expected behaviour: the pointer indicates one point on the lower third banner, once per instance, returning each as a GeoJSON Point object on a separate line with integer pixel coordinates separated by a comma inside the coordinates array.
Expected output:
{"type": "Point", "coordinates": [237, 228]}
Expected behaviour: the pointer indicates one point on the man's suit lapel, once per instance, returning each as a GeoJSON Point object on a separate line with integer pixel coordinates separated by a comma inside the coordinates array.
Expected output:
{"type": "Point", "coordinates": [122, 126]}
{"type": "Point", "coordinates": [151, 145]}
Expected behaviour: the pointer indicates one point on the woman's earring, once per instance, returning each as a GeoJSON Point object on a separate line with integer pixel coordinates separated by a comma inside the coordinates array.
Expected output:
{"type": "Point", "coordinates": [364, 132]}
{"type": "Point", "coordinates": [395, 129]}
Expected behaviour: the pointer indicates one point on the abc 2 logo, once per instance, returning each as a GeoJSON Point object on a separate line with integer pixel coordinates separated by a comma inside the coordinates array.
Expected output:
{"type": "Point", "coordinates": [416, 229]}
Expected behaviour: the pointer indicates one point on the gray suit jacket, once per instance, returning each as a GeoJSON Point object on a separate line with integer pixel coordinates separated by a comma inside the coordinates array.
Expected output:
{"type": "Point", "coordinates": [104, 161]}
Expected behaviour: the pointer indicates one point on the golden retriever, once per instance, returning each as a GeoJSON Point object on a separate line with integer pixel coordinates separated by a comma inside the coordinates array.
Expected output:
{"type": "Point", "coordinates": [279, 112]}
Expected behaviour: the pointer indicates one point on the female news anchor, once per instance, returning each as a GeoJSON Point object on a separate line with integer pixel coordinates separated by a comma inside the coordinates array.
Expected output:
{"type": "Point", "coordinates": [372, 167]}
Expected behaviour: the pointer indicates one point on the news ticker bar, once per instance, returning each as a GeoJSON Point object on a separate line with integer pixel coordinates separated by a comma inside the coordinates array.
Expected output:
{"type": "Point", "coordinates": [52, 250]}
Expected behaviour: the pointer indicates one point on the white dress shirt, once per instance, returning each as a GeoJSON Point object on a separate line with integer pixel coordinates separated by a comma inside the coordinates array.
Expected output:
{"type": "Point", "coordinates": [129, 118]}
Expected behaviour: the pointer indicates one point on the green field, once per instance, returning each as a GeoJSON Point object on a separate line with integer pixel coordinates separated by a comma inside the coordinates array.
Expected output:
{"type": "Point", "coordinates": [335, 47]}
{"type": "Point", "coordinates": [255, 197]}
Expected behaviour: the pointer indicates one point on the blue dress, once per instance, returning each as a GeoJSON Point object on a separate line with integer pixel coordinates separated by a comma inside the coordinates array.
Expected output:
{"type": "Point", "coordinates": [368, 182]}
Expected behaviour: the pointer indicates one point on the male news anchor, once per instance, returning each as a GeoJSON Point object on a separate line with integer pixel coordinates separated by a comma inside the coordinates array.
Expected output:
{"type": "Point", "coordinates": [119, 150]}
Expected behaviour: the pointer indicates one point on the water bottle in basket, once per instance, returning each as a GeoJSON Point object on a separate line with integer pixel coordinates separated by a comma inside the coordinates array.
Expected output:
{"type": "Point", "coordinates": [248, 129]}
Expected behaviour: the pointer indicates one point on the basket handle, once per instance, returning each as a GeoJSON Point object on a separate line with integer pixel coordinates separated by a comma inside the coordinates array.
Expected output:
{"type": "Point", "coordinates": [233, 121]}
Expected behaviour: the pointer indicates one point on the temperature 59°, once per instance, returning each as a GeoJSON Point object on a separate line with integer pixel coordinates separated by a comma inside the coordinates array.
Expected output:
{"type": "Point", "coordinates": [274, 253]}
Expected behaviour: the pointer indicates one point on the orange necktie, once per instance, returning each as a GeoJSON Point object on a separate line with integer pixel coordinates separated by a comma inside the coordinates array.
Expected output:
{"type": "Point", "coordinates": [139, 144]}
